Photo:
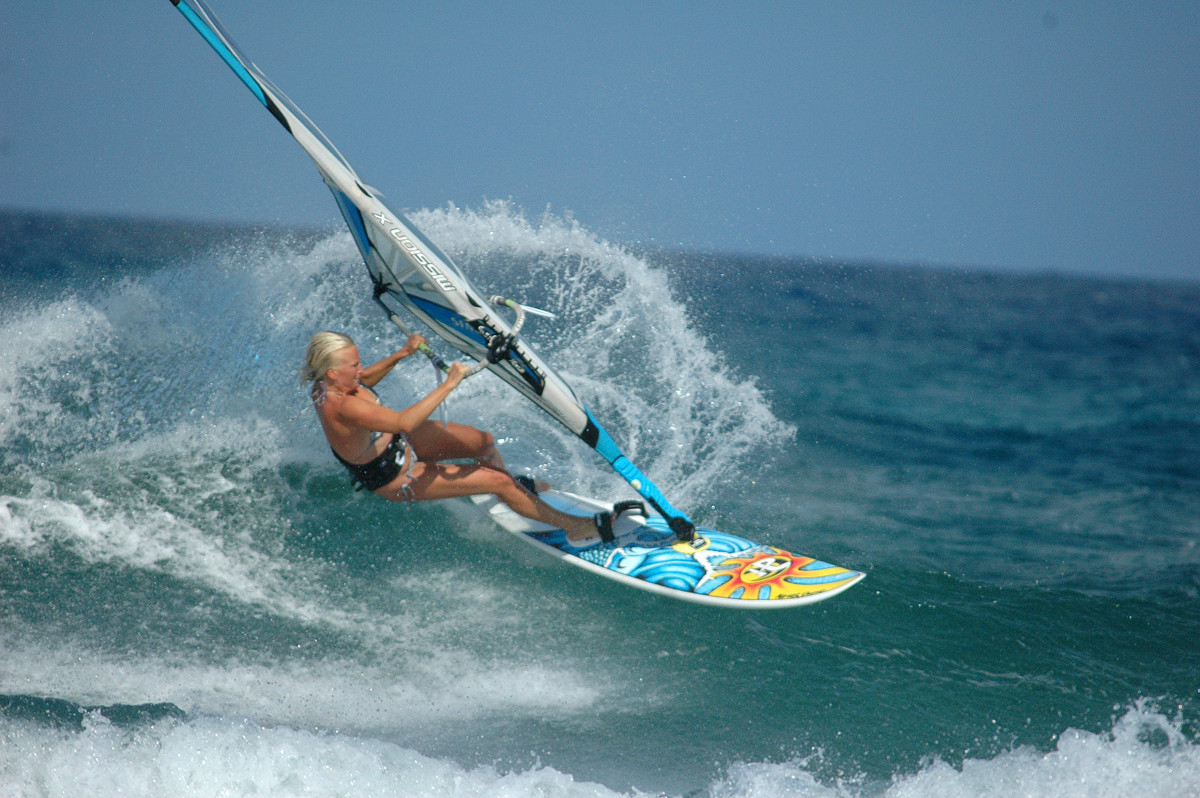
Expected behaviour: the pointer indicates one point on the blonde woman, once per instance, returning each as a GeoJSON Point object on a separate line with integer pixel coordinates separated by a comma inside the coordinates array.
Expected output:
{"type": "Point", "coordinates": [399, 454]}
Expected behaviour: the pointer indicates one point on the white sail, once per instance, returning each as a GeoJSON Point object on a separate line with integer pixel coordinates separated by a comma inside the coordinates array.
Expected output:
{"type": "Point", "coordinates": [409, 271]}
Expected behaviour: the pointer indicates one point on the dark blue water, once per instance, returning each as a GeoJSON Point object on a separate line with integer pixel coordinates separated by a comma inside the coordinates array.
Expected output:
{"type": "Point", "coordinates": [194, 602]}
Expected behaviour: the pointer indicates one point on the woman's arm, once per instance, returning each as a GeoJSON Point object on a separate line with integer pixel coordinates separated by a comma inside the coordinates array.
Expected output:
{"type": "Point", "coordinates": [377, 371]}
{"type": "Point", "coordinates": [357, 412]}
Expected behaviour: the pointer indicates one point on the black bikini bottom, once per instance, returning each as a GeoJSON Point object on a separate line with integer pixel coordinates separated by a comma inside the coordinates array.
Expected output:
{"type": "Point", "coordinates": [376, 473]}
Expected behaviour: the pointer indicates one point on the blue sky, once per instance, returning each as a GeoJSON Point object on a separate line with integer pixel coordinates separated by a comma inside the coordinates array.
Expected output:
{"type": "Point", "coordinates": [1047, 136]}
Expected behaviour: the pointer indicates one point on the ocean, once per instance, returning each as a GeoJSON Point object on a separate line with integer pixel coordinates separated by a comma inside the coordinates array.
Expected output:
{"type": "Point", "coordinates": [194, 602]}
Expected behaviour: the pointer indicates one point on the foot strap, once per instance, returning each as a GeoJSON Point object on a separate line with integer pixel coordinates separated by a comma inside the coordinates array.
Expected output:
{"type": "Point", "coordinates": [604, 521]}
{"type": "Point", "coordinates": [629, 506]}
{"type": "Point", "coordinates": [604, 525]}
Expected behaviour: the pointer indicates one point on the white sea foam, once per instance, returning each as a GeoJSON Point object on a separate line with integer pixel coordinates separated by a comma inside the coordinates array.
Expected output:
{"type": "Point", "coordinates": [205, 504]}
{"type": "Point", "coordinates": [145, 436]}
{"type": "Point", "coordinates": [432, 689]}
{"type": "Point", "coordinates": [217, 757]}
{"type": "Point", "coordinates": [147, 430]}
{"type": "Point", "coordinates": [43, 345]}
{"type": "Point", "coordinates": [1143, 754]}
{"type": "Point", "coordinates": [223, 335]}
{"type": "Point", "coordinates": [624, 342]}
{"type": "Point", "coordinates": [148, 505]}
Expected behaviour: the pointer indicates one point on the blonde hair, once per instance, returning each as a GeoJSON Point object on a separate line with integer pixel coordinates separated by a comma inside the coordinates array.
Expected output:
{"type": "Point", "coordinates": [320, 355]}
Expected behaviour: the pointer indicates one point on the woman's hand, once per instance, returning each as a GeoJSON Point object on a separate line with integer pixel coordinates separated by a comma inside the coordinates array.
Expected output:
{"type": "Point", "coordinates": [458, 372]}
{"type": "Point", "coordinates": [413, 345]}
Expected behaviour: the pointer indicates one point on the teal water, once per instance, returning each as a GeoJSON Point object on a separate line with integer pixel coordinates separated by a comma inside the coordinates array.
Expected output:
{"type": "Point", "coordinates": [195, 603]}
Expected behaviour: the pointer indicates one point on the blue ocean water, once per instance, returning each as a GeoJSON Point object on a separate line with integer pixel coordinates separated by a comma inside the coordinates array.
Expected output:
{"type": "Point", "coordinates": [193, 601]}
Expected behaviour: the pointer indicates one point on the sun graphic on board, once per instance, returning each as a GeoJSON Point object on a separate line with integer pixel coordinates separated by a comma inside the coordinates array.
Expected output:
{"type": "Point", "coordinates": [774, 574]}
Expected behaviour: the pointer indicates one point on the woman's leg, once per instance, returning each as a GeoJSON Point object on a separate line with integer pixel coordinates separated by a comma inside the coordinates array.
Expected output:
{"type": "Point", "coordinates": [431, 481]}
{"type": "Point", "coordinates": [434, 442]}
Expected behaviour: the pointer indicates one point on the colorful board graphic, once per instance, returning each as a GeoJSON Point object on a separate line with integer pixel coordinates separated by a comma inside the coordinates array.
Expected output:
{"type": "Point", "coordinates": [714, 568]}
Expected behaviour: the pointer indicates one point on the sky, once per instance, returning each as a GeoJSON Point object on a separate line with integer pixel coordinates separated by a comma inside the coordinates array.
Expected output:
{"type": "Point", "coordinates": [1052, 136]}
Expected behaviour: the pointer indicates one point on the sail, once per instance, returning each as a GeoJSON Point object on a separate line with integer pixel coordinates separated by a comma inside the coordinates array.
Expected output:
{"type": "Point", "coordinates": [409, 271]}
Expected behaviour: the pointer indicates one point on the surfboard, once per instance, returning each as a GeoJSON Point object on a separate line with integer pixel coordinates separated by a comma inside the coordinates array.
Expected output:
{"type": "Point", "coordinates": [713, 568]}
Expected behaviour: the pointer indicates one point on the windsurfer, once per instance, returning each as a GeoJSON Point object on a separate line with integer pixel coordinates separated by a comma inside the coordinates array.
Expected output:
{"type": "Point", "coordinates": [400, 455]}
